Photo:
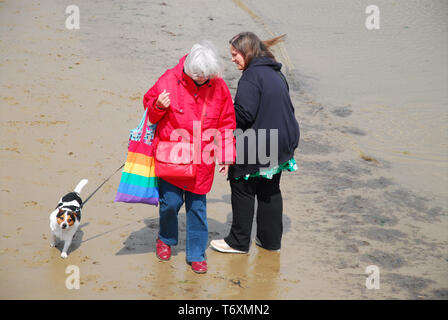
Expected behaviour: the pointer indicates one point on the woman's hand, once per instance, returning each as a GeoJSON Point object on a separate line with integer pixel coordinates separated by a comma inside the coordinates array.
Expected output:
{"type": "Point", "coordinates": [223, 169]}
{"type": "Point", "coordinates": [163, 101]}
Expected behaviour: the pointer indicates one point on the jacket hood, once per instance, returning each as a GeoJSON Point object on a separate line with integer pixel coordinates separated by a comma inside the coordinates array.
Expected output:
{"type": "Point", "coordinates": [179, 68]}
{"type": "Point", "coordinates": [265, 61]}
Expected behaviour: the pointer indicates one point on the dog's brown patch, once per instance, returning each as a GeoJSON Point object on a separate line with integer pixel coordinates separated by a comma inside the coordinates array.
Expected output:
{"type": "Point", "coordinates": [61, 219]}
{"type": "Point", "coordinates": [71, 218]}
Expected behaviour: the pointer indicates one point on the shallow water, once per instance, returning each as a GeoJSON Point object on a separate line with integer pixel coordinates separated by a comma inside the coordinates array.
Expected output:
{"type": "Point", "coordinates": [394, 80]}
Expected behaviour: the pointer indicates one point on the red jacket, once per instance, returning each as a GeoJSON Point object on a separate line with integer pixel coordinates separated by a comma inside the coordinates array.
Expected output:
{"type": "Point", "coordinates": [186, 106]}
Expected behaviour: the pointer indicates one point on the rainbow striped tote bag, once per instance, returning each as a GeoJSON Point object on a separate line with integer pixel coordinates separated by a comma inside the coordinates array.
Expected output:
{"type": "Point", "coordinates": [138, 182]}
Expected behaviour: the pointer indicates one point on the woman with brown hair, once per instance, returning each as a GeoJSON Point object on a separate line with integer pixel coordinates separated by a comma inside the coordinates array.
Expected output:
{"type": "Point", "coordinates": [262, 103]}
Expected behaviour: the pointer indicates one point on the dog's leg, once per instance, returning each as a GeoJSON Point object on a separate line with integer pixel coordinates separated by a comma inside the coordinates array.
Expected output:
{"type": "Point", "coordinates": [67, 244]}
{"type": "Point", "coordinates": [53, 240]}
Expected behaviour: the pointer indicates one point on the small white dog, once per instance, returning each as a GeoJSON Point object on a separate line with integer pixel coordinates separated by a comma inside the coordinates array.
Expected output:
{"type": "Point", "coordinates": [65, 219]}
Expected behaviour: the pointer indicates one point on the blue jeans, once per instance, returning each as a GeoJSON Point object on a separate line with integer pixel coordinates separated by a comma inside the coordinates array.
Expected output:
{"type": "Point", "coordinates": [171, 199]}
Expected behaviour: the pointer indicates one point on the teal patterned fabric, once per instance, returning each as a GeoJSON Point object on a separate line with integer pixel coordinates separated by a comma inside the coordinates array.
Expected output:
{"type": "Point", "coordinates": [268, 173]}
{"type": "Point", "coordinates": [137, 132]}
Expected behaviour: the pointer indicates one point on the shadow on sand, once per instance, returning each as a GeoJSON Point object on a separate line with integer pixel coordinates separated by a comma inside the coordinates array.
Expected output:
{"type": "Point", "coordinates": [144, 240]}
{"type": "Point", "coordinates": [76, 242]}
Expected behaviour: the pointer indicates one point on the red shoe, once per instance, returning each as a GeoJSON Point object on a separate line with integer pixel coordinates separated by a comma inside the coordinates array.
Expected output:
{"type": "Point", "coordinates": [199, 266]}
{"type": "Point", "coordinates": [163, 250]}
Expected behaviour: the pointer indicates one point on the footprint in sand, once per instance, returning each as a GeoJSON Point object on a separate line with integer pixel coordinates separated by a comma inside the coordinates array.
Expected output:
{"type": "Point", "coordinates": [65, 98]}
{"type": "Point", "coordinates": [12, 149]}
{"type": "Point", "coordinates": [47, 142]}
{"type": "Point", "coordinates": [135, 97]}
{"type": "Point", "coordinates": [109, 92]}
{"type": "Point", "coordinates": [113, 283]}
{"type": "Point", "coordinates": [13, 123]}
{"type": "Point", "coordinates": [30, 203]}
{"type": "Point", "coordinates": [103, 102]}
{"type": "Point", "coordinates": [104, 222]}
{"type": "Point", "coordinates": [98, 165]}
{"type": "Point", "coordinates": [89, 278]}
{"type": "Point", "coordinates": [11, 101]}
{"type": "Point", "coordinates": [101, 289]}
{"type": "Point", "coordinates": [37, 260]}
{"type": "Point", "coordinates": [85, 258]}
{"type": "Point", "coordinates": [109, 189]}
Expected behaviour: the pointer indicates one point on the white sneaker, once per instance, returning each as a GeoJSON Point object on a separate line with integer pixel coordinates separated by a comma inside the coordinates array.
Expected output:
{"type": "Point", "coordinates": [222, 246]}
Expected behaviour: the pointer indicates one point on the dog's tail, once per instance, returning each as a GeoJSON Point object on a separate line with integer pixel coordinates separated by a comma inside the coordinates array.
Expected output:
{"type": "Point", "coordinates": [81, 185]}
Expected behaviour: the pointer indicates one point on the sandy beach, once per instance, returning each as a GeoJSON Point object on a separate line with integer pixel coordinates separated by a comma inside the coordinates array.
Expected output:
{"type": "Point", "coordinates": [69, 98]}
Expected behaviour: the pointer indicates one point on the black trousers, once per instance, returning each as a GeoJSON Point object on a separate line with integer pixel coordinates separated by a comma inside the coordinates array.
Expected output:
{"type": "Point", "coordinates": [269, 212]}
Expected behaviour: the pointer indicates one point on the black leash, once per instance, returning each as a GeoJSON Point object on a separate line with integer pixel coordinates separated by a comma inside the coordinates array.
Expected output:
{"type": "Point", "coordinates": [101, 185]}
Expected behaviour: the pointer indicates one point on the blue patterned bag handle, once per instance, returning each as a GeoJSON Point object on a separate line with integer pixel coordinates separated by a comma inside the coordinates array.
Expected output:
{"type": "Point", "coordinates": [140, 125]}
{"type": "Point", "coordinates": [138, 131]}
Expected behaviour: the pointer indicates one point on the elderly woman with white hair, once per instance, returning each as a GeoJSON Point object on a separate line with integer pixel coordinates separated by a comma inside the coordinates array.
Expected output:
{"type": "Point", "coordinates": [185, 100]}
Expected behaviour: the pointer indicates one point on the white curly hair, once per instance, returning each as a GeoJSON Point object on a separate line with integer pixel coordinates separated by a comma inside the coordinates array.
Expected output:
{"type": "Point", "coordinates": [203, 61]}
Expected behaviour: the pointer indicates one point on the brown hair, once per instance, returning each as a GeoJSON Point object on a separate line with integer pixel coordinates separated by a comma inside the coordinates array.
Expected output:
{"type": "Point", "coordinates": [250, 46]}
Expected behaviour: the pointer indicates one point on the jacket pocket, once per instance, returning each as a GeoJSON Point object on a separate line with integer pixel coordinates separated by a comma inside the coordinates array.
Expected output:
{"type": "Point", "coordinates": [174, 152]}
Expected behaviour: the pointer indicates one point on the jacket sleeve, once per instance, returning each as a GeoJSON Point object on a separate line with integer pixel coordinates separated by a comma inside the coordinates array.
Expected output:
{"type": "Point", "coordinates": [247, 101]}
{"type": "Point", "coordinates": [149, 102]}
{"type": "Point", "coordinates": [226, 126]}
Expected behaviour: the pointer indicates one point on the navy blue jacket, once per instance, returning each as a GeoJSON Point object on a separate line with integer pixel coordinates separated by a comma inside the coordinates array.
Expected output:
{"type": "Point", "coordinates": [262, 101]}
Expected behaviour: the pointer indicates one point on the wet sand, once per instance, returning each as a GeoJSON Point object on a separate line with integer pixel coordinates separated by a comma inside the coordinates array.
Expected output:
{"type": "Point", "coordinates": [393, 81]}
{"type": "Point", "coordinates": [68, 101]}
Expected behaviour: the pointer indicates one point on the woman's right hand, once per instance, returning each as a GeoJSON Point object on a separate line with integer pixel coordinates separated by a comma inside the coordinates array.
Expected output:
{"type": "Point", "coordinates": [163, 101]}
